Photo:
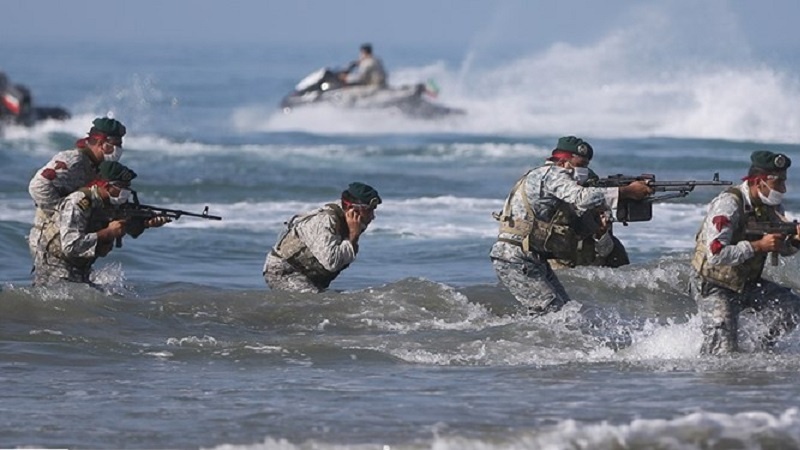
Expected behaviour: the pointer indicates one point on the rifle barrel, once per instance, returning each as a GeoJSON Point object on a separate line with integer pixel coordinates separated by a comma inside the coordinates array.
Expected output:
{"type": "Point", "coordinates": [691, 183]}
{"type": "Point", "coordinates": [177, 213]}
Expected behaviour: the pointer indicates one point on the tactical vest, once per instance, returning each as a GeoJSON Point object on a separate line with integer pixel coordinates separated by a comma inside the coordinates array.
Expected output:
{"type": "Point", "coordinates": [564, 236]}
{"type": "Point", "coordinates": [51, 235]}
{"type": "Point", "coordinates": [295, 252]}
{"type": "Point", "coordinates": [739, 277]}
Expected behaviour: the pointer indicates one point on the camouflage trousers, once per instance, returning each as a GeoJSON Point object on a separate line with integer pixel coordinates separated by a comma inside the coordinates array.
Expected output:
{"type": "Point", "coordinates": [529, 278]}
{"type": "Point", "coordinates": [281, 276]}
{"type": "Point", "coordinates": [719, 310]}
{"type": "Point", "coordinates": [48, 269]}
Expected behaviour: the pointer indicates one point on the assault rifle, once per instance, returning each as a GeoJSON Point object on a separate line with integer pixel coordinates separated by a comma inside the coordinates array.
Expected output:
{"type": "Point", "coordinates": [759, 229]}
{"type": "Point", "coordinates": [139, 211]}
{"type": "Point", "coordinates": [642, 210]}
{"type": "Point", "coordinates": [136, 214]}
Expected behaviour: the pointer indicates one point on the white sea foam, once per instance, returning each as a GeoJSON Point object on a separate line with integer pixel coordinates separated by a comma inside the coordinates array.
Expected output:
{"type": "Point", "coordinates": [702, 429]}
{"type": "Point", "coordinates": [655, 75]}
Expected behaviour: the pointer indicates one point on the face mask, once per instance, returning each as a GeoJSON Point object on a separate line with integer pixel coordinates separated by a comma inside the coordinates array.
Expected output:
{"type": "Point", "coordinates": [122, 198]}
{"type": "Point", "coordinates": [113, 156]}
{"type": "Point", "coordinates": [580, 174]}
{"type": "Point", "coordinates": [773, 199]}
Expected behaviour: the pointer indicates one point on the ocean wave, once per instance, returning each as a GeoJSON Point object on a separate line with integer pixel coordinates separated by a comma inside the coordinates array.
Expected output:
{"type": "Point", "coordinates": [702, 429]}
{"type": "Point", "coordinates": [413, 321]}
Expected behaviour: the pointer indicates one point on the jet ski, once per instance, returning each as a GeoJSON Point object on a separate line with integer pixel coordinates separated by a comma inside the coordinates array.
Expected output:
{"type": "Point", "coordinates": [17, 108]}
{"type": "Point", "coordinates": [324, 86]}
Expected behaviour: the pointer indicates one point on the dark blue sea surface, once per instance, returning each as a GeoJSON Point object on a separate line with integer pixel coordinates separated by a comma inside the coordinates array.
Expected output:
{"type": "Point", "coordinates": [416, 346]}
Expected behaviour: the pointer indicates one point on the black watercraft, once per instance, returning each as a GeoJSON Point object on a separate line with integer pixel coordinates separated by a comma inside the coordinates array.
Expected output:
{"type": "Point", "coordinates": [17, 107]}
{"type": "Point", "coordinates": [324, 86]}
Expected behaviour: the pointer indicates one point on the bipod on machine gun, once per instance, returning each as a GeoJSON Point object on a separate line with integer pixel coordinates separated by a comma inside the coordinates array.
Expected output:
{"type": "Point", "coordinates": [642, 210]}
{"type": "Point", "coordinates": [136, 214]}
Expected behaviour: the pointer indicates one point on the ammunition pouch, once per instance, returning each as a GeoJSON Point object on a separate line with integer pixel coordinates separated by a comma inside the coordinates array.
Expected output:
{"type": "Point", "coordinates": [558, 240]}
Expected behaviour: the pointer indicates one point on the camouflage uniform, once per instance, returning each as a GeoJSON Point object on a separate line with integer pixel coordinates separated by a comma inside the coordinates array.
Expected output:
{"type": "Point", "coordinates": [320, 252]}
{"type": "Point", "coordinates": [526, 272]}
{"type": "Point", "coordinates": [68, 246]}
{"type": "Point", "coordinates": [722, 247]}
{"type": "Point", "coordinates": [66, 172]}
{"type": "Point", "coordinates": [607, 251]}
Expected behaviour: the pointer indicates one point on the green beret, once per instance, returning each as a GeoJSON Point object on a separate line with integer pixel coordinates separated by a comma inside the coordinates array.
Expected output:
{"type": "Point", "coordinates": [769, 161]}
{"type": "Point", "coordinates": [576, 146]}
{"type": "Point", "coordinates": [108, 126]}
{"type": "Point", "coordinates": [363, 193]}
{"type": "Point", "coordinates": [114, 171]}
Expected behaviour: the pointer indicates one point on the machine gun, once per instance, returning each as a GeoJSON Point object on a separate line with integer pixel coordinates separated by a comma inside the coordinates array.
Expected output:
{"type": "Point", "coordinates": [136, 214]}
{"type": "Point", "coordinates": [759, 229]}
{"type": "Point", "coordinates": [642, 210]}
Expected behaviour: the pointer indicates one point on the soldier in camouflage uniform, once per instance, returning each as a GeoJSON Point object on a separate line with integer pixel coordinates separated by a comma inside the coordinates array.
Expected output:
{"type": "Point", "coordinates": [317, 246]}
{"type": "Point", "coordinates": [728, 262]}
{"type": "Point", "coordinates": [549, 215]}
{"type": "Point", "coordinates": [79, 231]}
{"type": "Point", "coordinates": [71, 170]}
{"type": "Point", "coordinates": [608, 251]}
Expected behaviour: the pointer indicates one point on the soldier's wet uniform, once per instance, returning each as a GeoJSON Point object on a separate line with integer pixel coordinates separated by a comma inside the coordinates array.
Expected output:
{"type": "Point", "coordinates": [727, 273]}
{"type": "Point", "coordinates": [68, 171]}
{"type": "Point", "coordinates": [520, 257]}
{"type": "Point", "coordinates": [68, 246]}
{"type": "Point", "coordinates": [64, 174]}
{"type": "Point", "coordinates": [311, 253]}
{"type": "Point", "coordinates": [317, 246]}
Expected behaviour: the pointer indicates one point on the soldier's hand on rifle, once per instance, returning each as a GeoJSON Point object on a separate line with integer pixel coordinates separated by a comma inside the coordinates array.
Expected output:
{"type": "Point", "coordinates": [103, 248]}
{"type": "Point", "coordinates": [636, 190]}
{"type": "Point", "coordinates": [114, 230]}
{"type": "Point", "coordinates": [157, 221]}
{"type": "Point", "coordinates": [605, 223]}
{"type": "Point", "coordinates": [769, 243]}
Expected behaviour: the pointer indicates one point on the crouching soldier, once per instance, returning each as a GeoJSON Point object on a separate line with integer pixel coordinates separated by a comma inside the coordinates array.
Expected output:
{"type": "Point", "coordinates": [319, 245]}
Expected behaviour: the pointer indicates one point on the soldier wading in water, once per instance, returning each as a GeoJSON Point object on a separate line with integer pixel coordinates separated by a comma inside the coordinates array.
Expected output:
{"type": "Point", "coordinates": [728, 261]}
{"type": "Point", "coordinates": [549, 215]}
{"type": "Point", "coordinates": [317, 246]}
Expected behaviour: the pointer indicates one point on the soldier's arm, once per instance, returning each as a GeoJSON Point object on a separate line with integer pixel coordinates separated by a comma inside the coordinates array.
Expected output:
{"type": "Point", "coordinates": [718, 226]}
{"type": "Point", "coordinates": [319, 234]}
{"type": "Point", "coordinates": [51, 183]}
{"type": "Point", "coordinates": [74, 216]}
{"type": "Point", "coordinates": [560, 184]}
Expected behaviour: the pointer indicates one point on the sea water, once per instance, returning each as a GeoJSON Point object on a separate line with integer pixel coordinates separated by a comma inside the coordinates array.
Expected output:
{"type": "Point", "coordinates": [182, 345]}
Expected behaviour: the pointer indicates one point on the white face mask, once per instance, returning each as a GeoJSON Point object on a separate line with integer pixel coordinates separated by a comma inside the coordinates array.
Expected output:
{"type": "Point", "coordinates": [773, 199]}
{"type": "Point", "coordinates": [580, 174]}
{"type": "Point", "coordinates": [113, 156]}
{"type": "Point", "coordinates": [122, 198]}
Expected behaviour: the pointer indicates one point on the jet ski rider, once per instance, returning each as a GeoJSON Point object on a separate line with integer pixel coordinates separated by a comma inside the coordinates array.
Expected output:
{"type": "Point", "coordinates": [369, 70]}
